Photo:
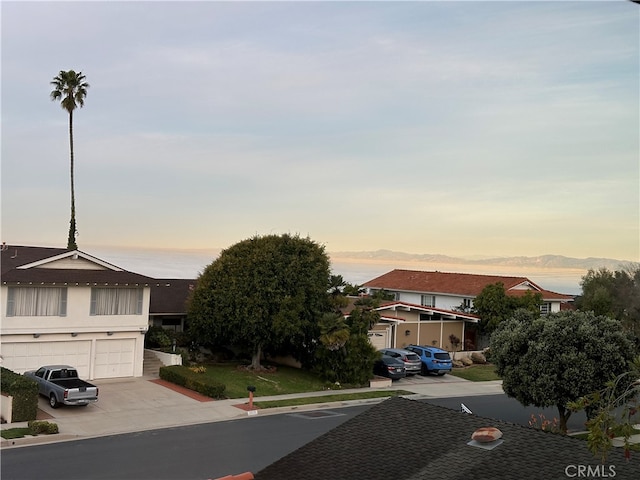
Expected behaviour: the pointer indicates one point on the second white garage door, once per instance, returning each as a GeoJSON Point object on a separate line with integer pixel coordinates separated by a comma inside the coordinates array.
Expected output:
{"type": "Point", "coordinates": [114, 358]}
{"type": "Point", "coordinates": [378, 338]}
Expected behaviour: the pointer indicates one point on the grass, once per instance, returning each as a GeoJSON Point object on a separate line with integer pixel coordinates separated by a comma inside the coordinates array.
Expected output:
{"type": "Point", "coordinates": [476, 373]}
{"type": "Point", "coordinates": [283, 381]}
{"type": "Point", "coordinates": [339, 397]}
{"type": "Point", "coordinates": [10, 433]}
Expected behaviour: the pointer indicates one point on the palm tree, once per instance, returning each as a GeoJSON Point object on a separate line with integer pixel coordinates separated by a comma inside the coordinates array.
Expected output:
{"type": "Point", "coordinates": [71, 89]}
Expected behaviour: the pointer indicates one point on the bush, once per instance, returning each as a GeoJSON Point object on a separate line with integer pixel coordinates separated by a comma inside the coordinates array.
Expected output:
{"type": "Point", "coordinates": [157, 337]}
{"type": "Point", "coordinates": [24, 392]}
{"type": "Point", "coordinates": [197, 382]}
{"type": "Point", "coordinates": [37, 427]}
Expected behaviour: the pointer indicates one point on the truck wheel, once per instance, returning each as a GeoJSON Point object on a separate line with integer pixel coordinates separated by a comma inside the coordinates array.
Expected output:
{"type": "Point", "coordinates": [53, 401]}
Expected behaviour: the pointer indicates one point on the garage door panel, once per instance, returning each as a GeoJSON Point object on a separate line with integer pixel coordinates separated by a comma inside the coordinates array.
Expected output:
{"type": "Point", "coordinates": [114, 358]}
{"type": "Point", "coordinates": [21, 357]}
{"type": "Point", "coordinates": [378, 338]}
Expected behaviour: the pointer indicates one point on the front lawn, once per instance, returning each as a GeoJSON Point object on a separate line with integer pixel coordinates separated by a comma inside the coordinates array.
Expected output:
{"type": "Point", "coordinates": [283, 381]}
{"type": "Point", "coordinates": [476, 373]}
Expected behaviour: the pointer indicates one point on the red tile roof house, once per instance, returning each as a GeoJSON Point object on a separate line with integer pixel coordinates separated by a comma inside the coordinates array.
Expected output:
{"type": "Point", "coordinates": [61, 306]}
{"type": "Point", "coordinates": [431, 306]}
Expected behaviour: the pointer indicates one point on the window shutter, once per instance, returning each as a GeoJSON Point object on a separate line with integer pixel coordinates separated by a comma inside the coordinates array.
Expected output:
{"type": "Point", "coordinates": [93, 302]}
{"type": "Point", "coordinates": [63, 302]}
{"type": "Point", "coordinates": [140, 297]}
{"type": "Point", "coordinates": [11, 302]}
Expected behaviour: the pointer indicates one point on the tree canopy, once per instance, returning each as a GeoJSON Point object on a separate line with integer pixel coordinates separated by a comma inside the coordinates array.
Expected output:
{"type": "Point", "coordinates": [493, 305]}
{"type": "Point", "coordinates": [556, 359]}
{"type": "Point", "coordinates": [266, 293]}
{"type": "Point", "coordinates": [614, 294]}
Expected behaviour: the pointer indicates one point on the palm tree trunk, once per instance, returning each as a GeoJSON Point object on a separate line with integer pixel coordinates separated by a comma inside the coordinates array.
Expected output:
{"type": "Point", "coordinates": [71, 241]}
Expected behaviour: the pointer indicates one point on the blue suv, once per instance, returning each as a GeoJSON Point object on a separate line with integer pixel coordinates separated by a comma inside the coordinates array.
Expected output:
{"type": "Point", "coordinates": [434, 360]}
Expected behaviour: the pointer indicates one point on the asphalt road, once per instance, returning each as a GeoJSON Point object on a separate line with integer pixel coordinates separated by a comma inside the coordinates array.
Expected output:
{"type": "Point", "coordinates": [194, 452]}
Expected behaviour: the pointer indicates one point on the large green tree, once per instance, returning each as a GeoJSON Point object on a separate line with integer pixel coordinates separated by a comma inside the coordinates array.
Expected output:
{"type": "Point", "coordinates": [70, 89]}
{"type": "Point", "coordinates": [265, 294]}
{"type": "Point", "coordinates": [614, 294]}
{"type": "Point", "coordinates": [554, 360]}
{"type": "Point", "coordinates": [493, 305]}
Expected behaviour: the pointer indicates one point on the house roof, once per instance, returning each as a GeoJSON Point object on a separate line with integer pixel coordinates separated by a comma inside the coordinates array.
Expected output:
{"type": "Point", "coordinates": [404, 439]}
{"type": "Point", "coordinates": [462, 284]}
{"type": "Point", "coordinates": [169, 296]}
{"type": "Point", "coordinates": [24, 265]}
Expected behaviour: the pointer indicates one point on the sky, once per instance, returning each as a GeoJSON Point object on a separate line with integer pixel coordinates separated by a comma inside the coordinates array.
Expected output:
{"type": "Point", "coordinates": [459, 128]}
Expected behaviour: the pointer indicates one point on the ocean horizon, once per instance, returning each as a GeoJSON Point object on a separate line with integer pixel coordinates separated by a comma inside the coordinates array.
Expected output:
{"type": "Point", "coordinates": [175, 263]}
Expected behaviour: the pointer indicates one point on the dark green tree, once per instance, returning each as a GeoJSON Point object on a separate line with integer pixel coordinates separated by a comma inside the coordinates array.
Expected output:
{"type": "Point", "coordinates": [615, 294]}
{"type": "Point", "coordinates": [345, 354]}
{"type": "Point", "coordinates": [493, 305]}
{"type": "Point", "coordinates": [265, 294]}
{"type": "Point", "coordinates": [70, 88]}
{"type": "Point", "coordinates": [554, 360]}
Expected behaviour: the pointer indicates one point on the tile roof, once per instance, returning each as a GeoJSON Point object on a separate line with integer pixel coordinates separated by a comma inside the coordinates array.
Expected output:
{"type": "Point", "coordinates": [14, 257]}
{"type": "Point", "coordinates": [169, 296]}
{"type": "Point", "coordinates": [464, 284]}
{"type": "Point", "coordinates": [402, 439]}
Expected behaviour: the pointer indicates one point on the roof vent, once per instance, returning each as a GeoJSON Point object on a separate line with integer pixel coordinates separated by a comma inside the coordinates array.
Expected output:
{"type": "Point", "coordinates": [487, 438]}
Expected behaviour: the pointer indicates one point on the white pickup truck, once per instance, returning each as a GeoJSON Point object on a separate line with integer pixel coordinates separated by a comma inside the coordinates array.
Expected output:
{"type": "Point", "coordinates": [61, 385]}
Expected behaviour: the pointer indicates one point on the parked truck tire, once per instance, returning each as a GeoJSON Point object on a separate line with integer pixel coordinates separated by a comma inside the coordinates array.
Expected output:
{"type": "Point", "coordinates": [53, 401]}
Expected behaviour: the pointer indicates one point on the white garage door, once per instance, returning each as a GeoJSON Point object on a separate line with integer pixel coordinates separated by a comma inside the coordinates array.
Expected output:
{"type": "Point", "coordinates": [114, 358]}
{"type": "Point", "coordinates": [21, 357]}
{"type": "Point", "coordinates": [378, 338]}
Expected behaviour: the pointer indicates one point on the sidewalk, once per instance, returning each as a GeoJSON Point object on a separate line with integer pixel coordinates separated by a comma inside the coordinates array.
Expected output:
{"type": "Point", "coordinates": [138, 404]}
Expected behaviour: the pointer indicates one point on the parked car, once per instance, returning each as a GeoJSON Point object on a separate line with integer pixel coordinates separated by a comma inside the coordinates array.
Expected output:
{"type": "Point", "coordinates": [390, 367]}
{"type": "Point", "coordinates": [61, 385]}
{"type": "Point", "coordinates": [433, 359]}
{"type": "Point", "coordinates": [412, 363]}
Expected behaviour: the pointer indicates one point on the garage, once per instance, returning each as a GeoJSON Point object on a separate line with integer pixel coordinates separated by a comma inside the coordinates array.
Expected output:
{"type": "Point", "coordinates": [114, 358]}
{"type": "Point", "coordinates": [378, 338]}
{"type": "Point", "coordinates": [21, 357]}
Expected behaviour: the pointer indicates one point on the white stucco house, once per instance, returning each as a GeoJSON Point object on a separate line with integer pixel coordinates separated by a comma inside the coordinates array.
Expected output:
{"type": "Point", "coordinates": [61, 306]}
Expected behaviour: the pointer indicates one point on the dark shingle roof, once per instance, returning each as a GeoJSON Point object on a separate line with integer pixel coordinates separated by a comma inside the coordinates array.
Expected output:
{"type": "Point", "coordinates": [169, 296]}
{"type": "Point", "coordinates": [402, 439]}
{"type": "Point", "coordinates": [15, 257]}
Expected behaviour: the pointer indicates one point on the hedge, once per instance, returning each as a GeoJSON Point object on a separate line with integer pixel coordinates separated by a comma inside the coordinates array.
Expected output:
{"type": "Point", "coordinates": [24, 392]}
{"type": "Point", "coordinates": [181, 375]}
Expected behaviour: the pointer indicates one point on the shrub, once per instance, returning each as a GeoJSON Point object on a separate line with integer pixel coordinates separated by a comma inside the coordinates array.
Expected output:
{"type": "Point", "coordinates": [37, 427]}
{"type": "Point", "coordinates": [24, 392]}
{"type": "Point", "coordinates": [185, 377]}
{"type": "Point", "coordinates": [157, 337]}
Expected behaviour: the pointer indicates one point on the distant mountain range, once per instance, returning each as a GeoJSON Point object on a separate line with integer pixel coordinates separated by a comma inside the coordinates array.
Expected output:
{"type": "Point", "coordinates": [543, 261]}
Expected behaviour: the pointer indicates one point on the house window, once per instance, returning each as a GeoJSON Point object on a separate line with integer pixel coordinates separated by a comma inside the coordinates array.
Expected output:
{"type": "Point", "coordinates": [116, 301]}
{"type": "Point", "coordinates": [428, 300]}
{"type": "Point", "coordinates": [425, 317]}
{"type": "Point", "coordinates": [36, 301]}
{"type": "Point", "coordinates": [466, 304]}
{"type": "Point", "coordinates": [545, 308]}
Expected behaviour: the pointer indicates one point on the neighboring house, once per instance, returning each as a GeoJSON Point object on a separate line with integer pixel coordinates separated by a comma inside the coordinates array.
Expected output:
{"type": "Point", "coordinates": [456, 291]}
{"type": "Point", "coordinates": [404, 439]}
{"type": "Point", "coordinates": [63, 306]}
{"type": "Point", "coordinates": [403, 324]}
{"type": "Point", "coordinates": [168, 307]}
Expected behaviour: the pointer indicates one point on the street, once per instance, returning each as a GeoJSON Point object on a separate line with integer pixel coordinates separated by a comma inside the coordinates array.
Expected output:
{"type": "Point", "coordinates": [217, 449]}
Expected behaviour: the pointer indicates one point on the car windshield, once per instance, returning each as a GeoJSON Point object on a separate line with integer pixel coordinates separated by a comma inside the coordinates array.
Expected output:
{"type": "Point", "coordinates": [442, 356]}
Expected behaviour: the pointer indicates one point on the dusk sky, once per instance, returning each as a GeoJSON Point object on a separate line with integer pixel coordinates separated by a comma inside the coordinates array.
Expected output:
{"type": "Point", "coordinates": [458, 128]}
